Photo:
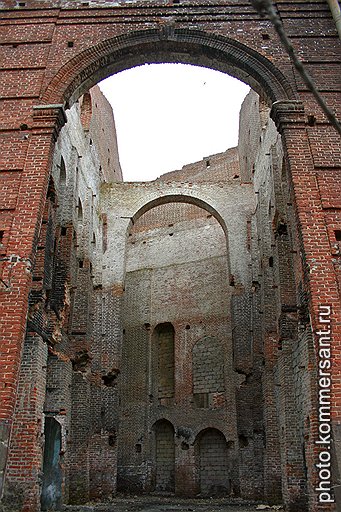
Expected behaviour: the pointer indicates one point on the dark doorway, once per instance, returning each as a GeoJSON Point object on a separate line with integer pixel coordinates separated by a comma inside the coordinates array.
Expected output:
{"type": "Point", "coordinates": [52, 480]}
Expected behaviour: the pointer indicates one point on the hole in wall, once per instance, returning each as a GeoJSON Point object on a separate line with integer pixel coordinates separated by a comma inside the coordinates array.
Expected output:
{"type": "Point", "coordinates": [311, 120]}
{"type": "Point", "coordinates": [243, 441]}
{"type": "Point", "coordinates": [337, 233]}
{"type": "Point", "coordinates": [282, 229]}
{"type": "Point", "coordinates": [138, 447]}
{"type": "Point", "coordinates": [81, 361]}
{"type": "Point", "coordinates": [109, 379]}
{"type": "Point", "coordinates": [112, 439]}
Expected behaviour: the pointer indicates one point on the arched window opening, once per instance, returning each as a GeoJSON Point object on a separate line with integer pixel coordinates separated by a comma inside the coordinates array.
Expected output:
{"type": "Point", "coordinates": [80, 211]}
{"type": "Point", "coordinates": [62, 172]}
{"type": "Point", "coordinates": [86, 111]}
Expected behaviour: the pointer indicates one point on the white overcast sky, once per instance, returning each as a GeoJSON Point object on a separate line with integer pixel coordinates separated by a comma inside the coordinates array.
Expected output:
{"type": "Point", "coordinates": [169, 115]}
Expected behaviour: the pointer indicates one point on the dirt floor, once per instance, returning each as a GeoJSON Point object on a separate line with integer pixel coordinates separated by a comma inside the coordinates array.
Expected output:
{"type": "Point", "coordinates": [170, 504]}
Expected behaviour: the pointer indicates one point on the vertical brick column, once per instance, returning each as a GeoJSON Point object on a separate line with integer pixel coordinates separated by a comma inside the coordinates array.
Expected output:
{"type": "Point", "coordinates": [17, 268]}
{"type": "Point", "coordinates": [319, 275]}
{"type": "Point", "coordinates": [23, 473]}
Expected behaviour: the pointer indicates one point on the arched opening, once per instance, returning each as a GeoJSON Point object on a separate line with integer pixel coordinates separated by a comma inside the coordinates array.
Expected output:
{"type": "Point", "coordinates": [178, 45]}
{"type": "Point", "coordinates": [214, 464]}
{"type": "Point", "coordinates": [176, 289]}
{"type": "Point", "coordinates": [269, 322]}
{"type": "Point", "coordinates": [164, 456]}
{"type": "Point", "coordinates": [62, 172]}
{"type": "Point", "coordinates": [86, 111]}
{"type": "Point", "coordinates": [80, 211]}
{"type": "Point", "coordinates": [180, 275]}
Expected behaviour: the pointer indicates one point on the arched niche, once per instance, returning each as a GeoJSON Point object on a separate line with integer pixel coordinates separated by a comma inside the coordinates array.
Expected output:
{"type": "Point", "coordinates": [212, 454]}
{"type": "Point", "coordinates": [164, 451]}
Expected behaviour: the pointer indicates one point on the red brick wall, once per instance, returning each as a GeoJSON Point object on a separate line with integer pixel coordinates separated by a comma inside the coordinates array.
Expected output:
{"type": "Point", "coordinates": [53, 54]}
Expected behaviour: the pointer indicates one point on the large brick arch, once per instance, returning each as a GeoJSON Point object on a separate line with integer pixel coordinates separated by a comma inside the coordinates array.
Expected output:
{"type": "Point", "coordinates": [187, 46]}
{"type": "Point", "coordinates": [182, 195]}
{"type": "Point", "coordinates": [41, 74]}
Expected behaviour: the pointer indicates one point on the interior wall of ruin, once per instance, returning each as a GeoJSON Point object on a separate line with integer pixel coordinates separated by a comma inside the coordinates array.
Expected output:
{"type": "Point", "coordinates": [177, 274]}
{"type": "Point", "coordinates": [167, 344]}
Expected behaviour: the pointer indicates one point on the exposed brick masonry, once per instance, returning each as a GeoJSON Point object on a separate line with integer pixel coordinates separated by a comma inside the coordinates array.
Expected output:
{"type": "Point", "coordinates": [70, 285]}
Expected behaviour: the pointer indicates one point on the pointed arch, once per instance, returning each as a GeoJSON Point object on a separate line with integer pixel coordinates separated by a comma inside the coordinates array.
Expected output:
{"type": "Point", "coordinates": [62, 171]}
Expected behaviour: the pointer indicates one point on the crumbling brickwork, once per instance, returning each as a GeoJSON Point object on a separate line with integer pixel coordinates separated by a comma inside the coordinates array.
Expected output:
{"type": "Point", "coordinates": [67, 275]}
